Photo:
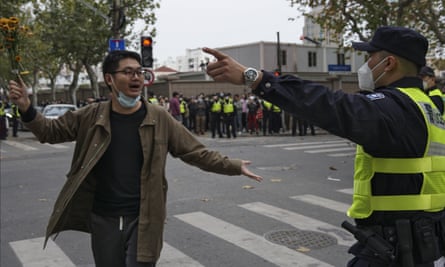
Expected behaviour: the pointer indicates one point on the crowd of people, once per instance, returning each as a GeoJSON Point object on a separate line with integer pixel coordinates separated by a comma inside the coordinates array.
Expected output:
{"type": "Point", "coordinates": [226, 115]}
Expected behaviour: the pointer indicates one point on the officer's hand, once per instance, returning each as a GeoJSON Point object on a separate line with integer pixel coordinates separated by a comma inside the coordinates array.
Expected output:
{"type": "Point", "coordinates": [225, 69]}
{"type": "Point", "coordinates": [245, 171]}
{"type": "Point", "coordinates": [19, 95]}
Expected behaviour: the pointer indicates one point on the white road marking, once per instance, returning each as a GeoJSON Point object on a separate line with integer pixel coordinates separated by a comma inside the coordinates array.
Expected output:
{"type": "Point", "coordinates": [348, 191]}
{"type": "Point", "coordinates": [323, 202]}
{"type": "Point", "coordinates": [300, 221]}
{"type": "Point", "coordinates": [329, 150]}
{"type": "Point", "coordinates": [307, 143]}
{"type": "Point", "coordinates": [19, 145]}
{"type": "Point", "coordinates": [170, 256]}
{"type": "Point", "coordinates": [31, 253]}
{"type": "Point", "coordinates": [277, 254]}
{"type": "Point", "coordinates": [314, 146]}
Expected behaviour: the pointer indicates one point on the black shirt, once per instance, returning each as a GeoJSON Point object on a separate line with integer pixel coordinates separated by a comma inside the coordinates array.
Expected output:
{"type": "Point", "coordinates": [118, 171]}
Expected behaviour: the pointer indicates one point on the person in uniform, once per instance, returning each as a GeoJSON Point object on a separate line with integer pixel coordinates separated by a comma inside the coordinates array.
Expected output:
{"type": "Point", "coordinates": [215, 116]}
{"type": "Point", "coordinates": [399, 179]}
{"type": "Point", "coordinates": [431, 88]}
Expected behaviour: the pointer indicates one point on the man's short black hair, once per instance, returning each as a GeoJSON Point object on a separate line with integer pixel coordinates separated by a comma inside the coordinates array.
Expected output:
{"type": "Point", "coordinates": [111, 61]}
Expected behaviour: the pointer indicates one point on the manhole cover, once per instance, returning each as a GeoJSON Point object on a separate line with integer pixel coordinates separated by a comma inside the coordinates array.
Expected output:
{"type": "Point", "coordinates": [295, 239]}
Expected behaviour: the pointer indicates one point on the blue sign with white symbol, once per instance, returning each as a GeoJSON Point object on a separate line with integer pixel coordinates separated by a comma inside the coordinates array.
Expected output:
{"type": "Point", "coordinates": [116, 44]}
{"type": "Point", "coordinates": [339, 68]}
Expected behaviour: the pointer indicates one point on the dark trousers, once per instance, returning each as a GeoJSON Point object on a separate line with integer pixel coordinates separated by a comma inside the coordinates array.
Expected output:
{"type": "Point", "coordinates": [215, 124]}
{"type": "Point", "coordinates": [229, 123]}
{"type": "Point", "coordinates": [114, 241]}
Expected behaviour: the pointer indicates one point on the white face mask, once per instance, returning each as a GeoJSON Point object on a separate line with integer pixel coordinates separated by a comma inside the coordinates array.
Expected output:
{"type": "Point", "coordinates": [365, 79]}
{"type": "Point", "coordinates": [124, 100]}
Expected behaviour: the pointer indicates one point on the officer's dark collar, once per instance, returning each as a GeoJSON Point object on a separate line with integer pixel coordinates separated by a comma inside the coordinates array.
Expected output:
{"type": "Point", "coordinates": [407, 82]}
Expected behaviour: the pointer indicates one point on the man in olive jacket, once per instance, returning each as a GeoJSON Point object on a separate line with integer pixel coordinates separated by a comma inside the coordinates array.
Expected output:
{"type": "Point", "coordinates": [117, 182]}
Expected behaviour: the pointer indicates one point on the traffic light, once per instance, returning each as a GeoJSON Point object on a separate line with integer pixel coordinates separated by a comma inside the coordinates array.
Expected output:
{"type": "Point", "coordinates": [147, 51]}
{"type": "Point", "coordinates": [277, 73]}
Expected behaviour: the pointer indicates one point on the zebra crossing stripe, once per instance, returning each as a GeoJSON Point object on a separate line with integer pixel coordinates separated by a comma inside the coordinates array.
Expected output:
{"type": "Point", "coordinates": [342, 154]}
{"type": "Point", "coordinates": [330, 150]}
{"type": "Point", "coordinates": [300, 221]}
{"type": "Point", "coordinates": [170, 256]}
{"type": "Point", "coordinates": [323, 202]}
{"type": "Point", "coordinates": [58, 146]}
{"type": "Point", "coordinates": [19, 145]}
{"type": "Point", "coordinates": [30, 252]}
{"type": "Point", "coordinates": [255, 244]}
{"type": "Point", "coordinates": [348, 191]}
{"type": "Point", "coordinates": [314, 146]}
{"type": "Point", "coordinates": [306, 143]}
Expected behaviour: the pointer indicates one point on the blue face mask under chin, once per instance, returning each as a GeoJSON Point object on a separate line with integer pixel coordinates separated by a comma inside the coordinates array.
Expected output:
{"type": "Point", "coordinates": [126, 101]}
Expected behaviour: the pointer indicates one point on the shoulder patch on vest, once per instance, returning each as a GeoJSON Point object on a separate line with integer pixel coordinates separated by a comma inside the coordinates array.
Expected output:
{"type": "Point", "coordinates": [375, 96]}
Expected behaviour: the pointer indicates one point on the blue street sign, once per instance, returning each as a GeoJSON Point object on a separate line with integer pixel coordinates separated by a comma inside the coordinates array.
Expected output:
{"type": "Point", "coordinates": [116, 44]}
{"type": "Point", "coordinates": [339, 68]}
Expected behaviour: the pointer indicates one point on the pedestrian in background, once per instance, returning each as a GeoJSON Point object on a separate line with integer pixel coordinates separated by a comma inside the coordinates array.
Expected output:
{"type": "Point", "coordinates": [200, 122]}
{"type": "Point", "coordinates": [174, 106]}
{"type": "Point", "coordinates": [399, 179]}
{"type": "Point", "coordinates": [116, 187]}
{"type": "Point", "coordinates": [431, 88]}
{"type": "Point", "coordinates": [215, 116]}
{"type": "Point", "coordinates": [3, 122]}
{"type": "Point", "coordinates": [15, 120]}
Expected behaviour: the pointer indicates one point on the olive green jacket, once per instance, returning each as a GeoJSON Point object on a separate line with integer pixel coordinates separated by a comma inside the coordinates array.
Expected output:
{"type": "Point", "coordinates": [160, 134]}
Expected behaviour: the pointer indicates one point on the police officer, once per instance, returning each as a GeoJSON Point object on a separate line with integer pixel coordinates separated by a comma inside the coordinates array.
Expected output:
{"type": "Point", "coordinates": [267, 111]}
{"type": "Point", "coordinates": [430, 87]}
{"type": "Point", "coordinates": [3, 118]}
{"type": "Point", "coordinates": [399, 179]}
{"type": "Point", "coordinates": [15, 119]}
{"type": "Point", "coordinates": [152, 98]}
{"type": "Point", "coordinates": [215, 116]}
{"type": "Point", "coordinates": [229, 114]}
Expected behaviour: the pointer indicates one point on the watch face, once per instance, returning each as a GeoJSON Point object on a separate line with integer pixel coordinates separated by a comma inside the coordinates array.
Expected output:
{"type": "Point", "coordinates": [251, 74]}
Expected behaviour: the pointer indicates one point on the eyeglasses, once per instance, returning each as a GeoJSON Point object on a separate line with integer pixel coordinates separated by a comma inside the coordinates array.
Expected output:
{"type": "Point", "coordinates": [130, 72]}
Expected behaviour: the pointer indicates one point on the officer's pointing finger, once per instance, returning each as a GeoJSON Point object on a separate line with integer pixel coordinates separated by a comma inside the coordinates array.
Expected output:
{"type": "Point", "coordinates": [218, 55]}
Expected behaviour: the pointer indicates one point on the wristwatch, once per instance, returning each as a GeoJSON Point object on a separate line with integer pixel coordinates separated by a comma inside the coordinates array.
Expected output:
{"type": "Point", "coordinates": [250, 76]}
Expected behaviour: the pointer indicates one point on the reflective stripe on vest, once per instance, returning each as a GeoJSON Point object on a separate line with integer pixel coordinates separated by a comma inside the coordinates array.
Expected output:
{"type": "Point", "coordinates": [267, 105]}
{"type": "Point", "coordinates": [435, 92]}
{"type": "Point", "coordinates": [431, 165]}
{"type": "Point", "coordinates": [276, 109]}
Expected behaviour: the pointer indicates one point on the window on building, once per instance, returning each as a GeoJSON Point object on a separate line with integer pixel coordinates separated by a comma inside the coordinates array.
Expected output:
{"type": "Point", "coordinates": [283, 58]}
{"type": "Point", "coordinates": [312, 59]}
{"type": "Point", "coordinates": [341, 59]}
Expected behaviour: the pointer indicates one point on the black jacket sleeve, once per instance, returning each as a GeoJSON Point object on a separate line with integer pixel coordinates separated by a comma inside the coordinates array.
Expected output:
{"type": "Point", "coordinates": [385, 121]}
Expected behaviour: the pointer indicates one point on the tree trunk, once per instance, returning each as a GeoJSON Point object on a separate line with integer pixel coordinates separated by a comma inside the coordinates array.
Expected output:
{"type": "Point", "coordinates": [93, 80]}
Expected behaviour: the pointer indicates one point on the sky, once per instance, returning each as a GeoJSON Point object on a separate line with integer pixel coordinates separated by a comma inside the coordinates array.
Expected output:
{"type": "Point", "coordinates": [191, 24]}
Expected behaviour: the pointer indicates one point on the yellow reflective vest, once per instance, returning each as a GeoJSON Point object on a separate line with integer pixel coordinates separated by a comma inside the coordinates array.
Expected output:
{"type": "Point", "coordinates": [183, 107]}
{"type": "Point", "coordinates": [2, 109]}
{"type": "Point", "coordinates": [153, 100]}
{"type": "Point", "coordinates": [228, 106]}
{"type": "Point", "coordinates": [267, 104]}
{"type": "Point", "coordinates": [431, 165]}
{"type": "Point", "coordinates": [216, 106]}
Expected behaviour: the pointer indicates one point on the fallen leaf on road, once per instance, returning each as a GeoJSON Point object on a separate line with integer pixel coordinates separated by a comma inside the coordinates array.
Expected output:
{"type": "Point", "coordinates": [205, 199]}
{"type": "Point", "coordinates": [302, 249]}
{"type": "Point", "coordinates": [248, 187]}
